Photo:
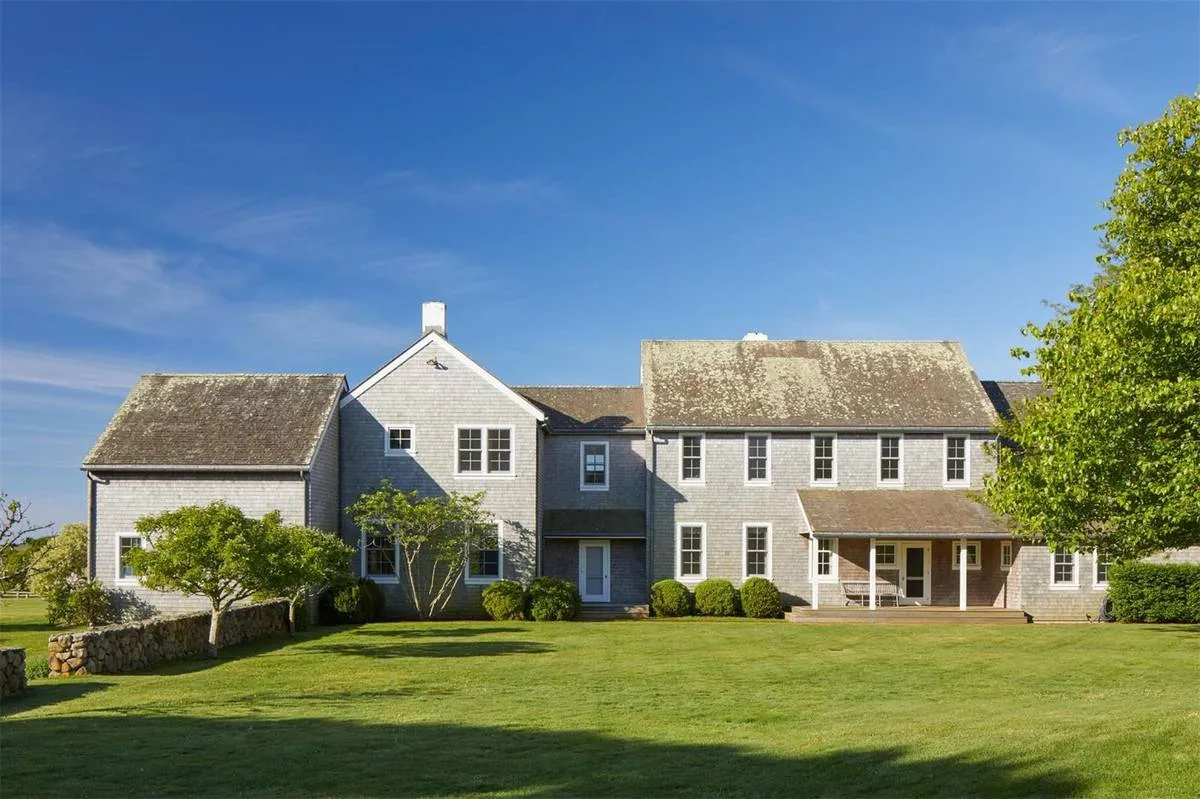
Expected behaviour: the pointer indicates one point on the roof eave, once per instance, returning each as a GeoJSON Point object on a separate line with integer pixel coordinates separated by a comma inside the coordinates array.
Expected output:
{"type": "Point", "coordinates": [207, 467]}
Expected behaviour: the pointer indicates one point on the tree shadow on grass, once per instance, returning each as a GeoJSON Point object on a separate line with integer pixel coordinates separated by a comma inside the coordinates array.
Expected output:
{"type": "Point", "coordinates": [1185, 630]}
{"type": "Point", "coordinates": [433, 649]}
{"type": "Point", "coordinates": [48, 692]}
{"type": "Point", "coordinates": [180, 755]}
{"type": "Point", "coordinates": [229, 654]}
{"type": "Point", "coordinates": [439, 630]}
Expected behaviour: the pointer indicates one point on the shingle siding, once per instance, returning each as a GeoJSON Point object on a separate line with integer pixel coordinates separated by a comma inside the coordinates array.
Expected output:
{"type": "Point", "coordinates": [323, 511]}
{"type": "Point", "coordinates": [433, 401]}
{"type": "Point", "coordinates": [627, 567]}
{"type": "Point", "coordinates": [626, 480]}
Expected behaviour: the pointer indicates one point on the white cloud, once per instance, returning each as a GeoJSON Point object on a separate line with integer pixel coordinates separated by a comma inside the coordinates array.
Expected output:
{"type": "Point", "coordinates": [78, 371]}
{"type": "Point", "coordinates": [470, 193]}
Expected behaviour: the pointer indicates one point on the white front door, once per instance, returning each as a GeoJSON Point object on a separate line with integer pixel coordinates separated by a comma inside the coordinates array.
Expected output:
{"type": "Point", "coordinates": [914, 574]}
{"type": "Point", "coordinates": [594, 571]}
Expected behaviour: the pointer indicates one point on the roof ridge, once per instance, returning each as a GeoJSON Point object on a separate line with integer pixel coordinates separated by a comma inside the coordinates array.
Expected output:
{"type": "Point", "coordinates": [567, 385]}
{"type": "Point", "coordinates": [807, 340]}
{"type": "Point", "coordinates": [244, 374]}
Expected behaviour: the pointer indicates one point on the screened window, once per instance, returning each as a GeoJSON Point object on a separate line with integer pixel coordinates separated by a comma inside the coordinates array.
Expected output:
{"type": "Point", "coordinates": [399, 440]}
{"type": "Point", "coordinates": [1103, 561]}
{"type": "Point", "coordinates": [823, 454]}
{"type": "Point", "coordinates": [594, 466]}
{"type": "Point", "coordinates": [889, 458]}
{"type": "Point", "coordinates": [757, 455]}
{"type": "Point", "coordinates": [693, 457]}
{"type": "Point", "coordinates": [757, 537]}
{"type": "Point", "coordinates": [691, 551]}
{"type": "Point", "coordinates": [956, 459]}
{"type": "Point", "coordinates": [483, 559]}
{"type": "Point", "coordinates": [827, 558]}
{"type": "Point", "coordinates": [380, 556]}
{"type": "Point", "coordinates": [484, 450]}
{"type": "Point", "coordinates": [125, 545]}
{"type": "Point", "coordinates": [1064, 567]}
{"type": "Point", "coordinates": [972, 555]}
{"type": "Point", "coordinates": [1006, 555]}
{"type": "Point", "coordinates": [885, 555]}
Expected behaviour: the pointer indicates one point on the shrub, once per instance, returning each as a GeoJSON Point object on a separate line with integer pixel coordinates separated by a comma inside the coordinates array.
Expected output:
{"type": "Point", "coordinates": [77, 601]}
{"type": "Point", "coordinates": [1155, 592]}
{"type": "Point", "coordinates": [357, 603]}
{"type": "Point", "coordinates": [37, 668]}
{"type": "Point", "coordinates": [504, 600]}
{"type": "Point", "coordinates": [551, 599]}
{"type": "Point", "coordinates": [716, 598]}
{"type": "Point", "coordinates": [760, 599]}
{"type": "Point", "coordinates": [669, 598]}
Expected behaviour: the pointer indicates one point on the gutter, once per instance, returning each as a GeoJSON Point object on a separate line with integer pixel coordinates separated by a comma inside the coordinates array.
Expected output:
{"type": "Point", "coordinates": [158, 467]}
{"type": "Point", "coordinates": [92, 481]}
{"type": "Point", "coordinates": [825, 429]}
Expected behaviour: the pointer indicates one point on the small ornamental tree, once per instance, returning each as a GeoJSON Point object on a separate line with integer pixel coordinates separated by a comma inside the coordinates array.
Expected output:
{"type": "Point", "coordinates": [300, 558]}
{"type": "Point", "coordinates": [15, 531]}
{"type": "Point", "coordinates": [434, 534]}
{"type": "Point", "coordinates": [212, 551]}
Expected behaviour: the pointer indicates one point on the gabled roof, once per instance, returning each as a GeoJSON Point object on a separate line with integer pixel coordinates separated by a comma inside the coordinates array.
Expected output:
{"type": "Point", "coordinates": [421, 344]}
{"type": "Point", "coordinates": [581, 409]}
{"type": "Point", "coordinates": [901, 513]}
{"type": "Point", "coordinates": [219, 420]}
{"type": "Point", "coordinates": [1008, 396]}
{"type": "Point", "coordinates": [812, 384]}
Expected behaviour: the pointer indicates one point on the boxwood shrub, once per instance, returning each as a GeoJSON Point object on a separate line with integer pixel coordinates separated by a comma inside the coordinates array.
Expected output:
{"type": "Point", "coordinates": [356, 603]}
{"type": "Point", "coordinates": [760, 599]}
{"type": "Point", "coordinates": [505, 600]}
{"type": "Point", "coordinates": [716, 598]}
{"type": "Point", "coordinates": [669, 598]}
{"type": "Point", "coordinates": [1155, 592]}
{"type": "Point", "coordinates": [552, 599]}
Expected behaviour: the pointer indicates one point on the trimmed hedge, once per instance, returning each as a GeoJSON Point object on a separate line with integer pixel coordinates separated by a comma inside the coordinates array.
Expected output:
{"type": "Point", "coordinates": [670, 598]}
{"type": "Point", "coordinates": [356, 603]}
{"type": "Point", "coordinates": [505, 600]}
{"type": "Point", "coordinates": [716, 598]}
{"type": "Point", "coordinates": [551, 599]}
{"type": "Point", "coordinates": [760, 599]}
{"type": "Point", "coordinates": [1155, 592]}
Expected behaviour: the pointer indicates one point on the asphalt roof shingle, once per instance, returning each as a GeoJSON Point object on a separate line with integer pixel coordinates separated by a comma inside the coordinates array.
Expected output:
{"type": "Point", "coordinates": [588, 408]}
{"type": "Point", "coordinates": [897, 512]}
{"type": "Point", "coordinates": [219, 420]}
{"type": "Point", "coordinates": [1008, 396]}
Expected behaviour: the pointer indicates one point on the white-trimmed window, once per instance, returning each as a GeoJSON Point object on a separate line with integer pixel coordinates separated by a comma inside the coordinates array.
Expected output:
{"type": "Point", "coordinates": [485, 563]}
{"type": "Point", "coordinates": [593, 466]}
{"type": "Point", "coordinates": [957, 460]}
{"type": "Point", "coordinates": [379, 558]}
{"type": "Point", "coordinates": [689, 553]}
{"type": "Point", "coordinates": [824, 461]}
{"type": "Point", "coordinates": [1006, 555]}
{"type": "Point", "coordinates": [885, 556]}
{"type": "Point", "coordinates": [826, 566]}
{"type": "Point", "coordinates": [891, 458]}
{"type": "Point", "coordinates": [483, 450]}
{"type": "Point", "coordinates": [1101, 560]}
{"type": "Point", "coordinates": [691, 461]}
{"type": "Point", "coordinates": [973, 556]}
{"type": "Point", "coordinates": [126, 543]}
{"type": "Point", "coordinates": [1064, 568]}
{"type": "Point", "coordinates": [756, 541]}
{"type": "Point", "coordinates": [758, 459]}
{"type": "Point", "coordinates": [398, 440]}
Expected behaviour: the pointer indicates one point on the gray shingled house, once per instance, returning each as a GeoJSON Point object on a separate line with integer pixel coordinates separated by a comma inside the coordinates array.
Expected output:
{"type": "Point", "coordinates": [844, 471]}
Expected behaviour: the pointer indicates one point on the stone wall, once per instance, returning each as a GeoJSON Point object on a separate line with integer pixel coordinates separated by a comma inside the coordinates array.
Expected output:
{"type": "Point", "coordinates": [12, 670]}
{"type": "Point", "coordinates": [129, 647]}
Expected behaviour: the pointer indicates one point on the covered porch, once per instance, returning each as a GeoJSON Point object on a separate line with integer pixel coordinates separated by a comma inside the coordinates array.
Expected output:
{"type": "Point", "coordinates": [603, 552]}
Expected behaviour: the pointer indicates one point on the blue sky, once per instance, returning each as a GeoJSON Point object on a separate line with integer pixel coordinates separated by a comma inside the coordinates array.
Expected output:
{"type": "Point", "coordinates": [232, 187]}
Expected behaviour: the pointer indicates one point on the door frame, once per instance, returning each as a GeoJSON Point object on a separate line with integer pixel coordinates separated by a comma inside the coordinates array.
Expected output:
{"type": "Point", "coordinates": [607, 595]}
{"type": "Point", "coordinates": [927, 546]}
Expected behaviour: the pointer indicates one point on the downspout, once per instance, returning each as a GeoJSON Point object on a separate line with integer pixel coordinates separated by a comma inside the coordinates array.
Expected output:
{"type": "Point", "coordinates": [651, 473]}
{"type": "Point", "coordinates": [307, 495]}
{"type": "Point", "coordinates": [91, 524]}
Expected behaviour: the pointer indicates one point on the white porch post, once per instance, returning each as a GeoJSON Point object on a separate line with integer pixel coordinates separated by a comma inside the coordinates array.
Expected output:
{"type": "Point", "coordinates": [962, 574]}
{"type": "Point", "coordinates": [871, 572]}
{"type": "Point", "coordinates": [812, 571]}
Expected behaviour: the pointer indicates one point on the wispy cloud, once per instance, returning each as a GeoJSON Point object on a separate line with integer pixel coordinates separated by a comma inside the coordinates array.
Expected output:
{"type": "Point", "coordinates": [442, 273]}
{"type": "Point", "coordinates": [807, 93]}
{"type": "Point", "coordinates": [77, 371]}
{"type": "Point", "coordinates": [470, 193]}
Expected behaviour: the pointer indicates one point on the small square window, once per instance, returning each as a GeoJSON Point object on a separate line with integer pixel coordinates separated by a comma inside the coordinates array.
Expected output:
{"type": "Point", "coordinates": [885, 555]}
{"type": "Point", "coordinates": [399, 441]}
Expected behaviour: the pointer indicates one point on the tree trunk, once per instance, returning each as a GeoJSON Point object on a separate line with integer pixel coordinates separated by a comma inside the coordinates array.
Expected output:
{"type": "Point", "coordinates": [292, 616]}
{"type": "Point", "coordinates": [214, 630]}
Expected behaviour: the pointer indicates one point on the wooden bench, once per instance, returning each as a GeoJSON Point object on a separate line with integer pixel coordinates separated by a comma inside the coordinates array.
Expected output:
{"type": "Point", "coordinates": [858, 592]}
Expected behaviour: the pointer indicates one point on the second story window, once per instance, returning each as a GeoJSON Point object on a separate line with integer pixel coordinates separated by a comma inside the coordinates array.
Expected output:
{"type": "Point", "coordinates": [484, 450]}
{"type": "Point", "coordinates": [692, 464]}
{"type": "Point", "coordinates": [956, 459]}
{"type": "Point", "coordinates": [593, 466]}
{"type": "Point", "coordinates": [824, 451]}
{"type": "Point", "coordinates": [889, 459]}
{"type": "Point", "coordinates": [399, 441]}
{"type": "Point", "coordinates": [758, 458]}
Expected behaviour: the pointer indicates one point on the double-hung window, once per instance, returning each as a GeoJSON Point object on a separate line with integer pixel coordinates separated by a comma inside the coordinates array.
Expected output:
{"type": "Point", "coordinates": [593, 466]}
{"type": "Point", "coordinates": [485, 555]}
{"type": "Point", "coordinates": [758, 551]}
{"type": "Point", "coordinates": [126, 543]}
{"type": "Point", "coordinates": [398, 440]}
{"type": "Point", "coordinates": [689, 564]}
{"type": "Point", "coordinates": [825, 568]}
{"type": "Point", "coordinates": [484, 450]}
{"type": "Point", "coordinates": [1006, 555]}
{"type": "Point", "coordinates": [890, 467]}
{"type": "Point", "coordinates": [380, 557]}
{"type": "Point", "coordinates": [972, 555]}
{"type": "Point", "coordinates": [1064, 569]}
{"type": "Point", "coordinates": [758, 459]}
{"type": "Point", "coordinates": [956, 459]}
{"type": "Point", "coordinates": [691, 465]}
{"type": "Point", "coordinates": [824, 466]}
{"type": "Point", "coordinates": [1100, 563]}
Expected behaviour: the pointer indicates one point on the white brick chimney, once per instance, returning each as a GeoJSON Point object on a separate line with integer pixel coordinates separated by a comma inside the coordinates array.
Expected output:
{"type": "Point", "coordinates": [433, 317]}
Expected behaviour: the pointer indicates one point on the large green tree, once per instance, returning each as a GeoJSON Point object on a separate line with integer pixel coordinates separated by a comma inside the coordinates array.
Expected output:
{"type": "Point", "coordinates": [301, 558]}
{"type": "Point", "coordinates": [435, 535]}
{"type": "Point", "coordinates": [1109, 455]}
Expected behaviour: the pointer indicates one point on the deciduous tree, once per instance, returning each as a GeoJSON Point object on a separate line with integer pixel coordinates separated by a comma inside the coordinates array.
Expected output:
{"type": "Point", "coordinates": [301, 558]}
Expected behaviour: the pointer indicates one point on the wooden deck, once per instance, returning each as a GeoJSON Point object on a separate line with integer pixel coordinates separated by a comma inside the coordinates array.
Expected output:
{"type": "Point", "coordinates": [597, 612]}
{"type": "Point", "coordinates": [909, 614]}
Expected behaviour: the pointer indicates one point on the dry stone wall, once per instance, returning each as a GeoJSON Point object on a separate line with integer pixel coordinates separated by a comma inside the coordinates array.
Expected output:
{"type": "Point", "coordinates": [129, 647]}
{"type": "Point", "coordinates": [12, 670]}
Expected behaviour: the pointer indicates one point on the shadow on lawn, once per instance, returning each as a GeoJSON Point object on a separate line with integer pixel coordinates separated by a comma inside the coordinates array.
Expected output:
{"type": "Point", "coordinates": [91, 755]}
{"type": "Point", "coordinates": [1186, 630]}
{"type": "Point", "coordinates": [433, 649]}
{"type": "Point", "coordinates": [437, 630]}
{"type": "Point", "coordinates": [47, 692]}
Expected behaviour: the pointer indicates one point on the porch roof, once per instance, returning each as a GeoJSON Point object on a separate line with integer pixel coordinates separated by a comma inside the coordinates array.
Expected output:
{"type": "Point", "coordinates": [898, 513]}
{"type": "Point", "coordinates": [580, 523]}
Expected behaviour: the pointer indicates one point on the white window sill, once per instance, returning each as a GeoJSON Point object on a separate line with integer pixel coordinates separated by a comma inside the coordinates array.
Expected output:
{"type": "Point", "coordinates": [1064, 586]}
{"type": "Point", "coordinates": [480, 580]}
{"type": "Point", "coordinates": [889, 484]}
{"type": "Point", "coordinates": [403, 453]}
{"type": "Point", "coordinates": [823, 483]}
{"type": "Point", "coordinates": [1100, 586]}
{"type": "Point", "coordinates": [955, 568]}
{"type": "Point", "coordinates": [600, 489]}
{"type": "Point", "coordinates": [746, 577]}
{"type": "Point", "coordinates": [690, 483]}
{"type": "Point", "coordinates": [1006, 568]}
{"type": "Point", "coordinates": [956, 484]}
{"type": "Point", "coordinates": [758, 484]}
{"type": "Point", "coordinates": [384, 579]}
{"type": "Point", "coordinates": [127, 582]}
{"type": "Point", "coordinates": [484, 476]}
{"type": "Point", "coordinates": [690, 580]}
{"type": "Point", "coordinates": [827, 579]}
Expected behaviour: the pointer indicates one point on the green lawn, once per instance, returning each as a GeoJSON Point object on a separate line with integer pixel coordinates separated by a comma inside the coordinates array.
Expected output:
{"type": "Point", "coordinates": [23, 623]}
{"type": "Point", "coordinates": [632, 709]}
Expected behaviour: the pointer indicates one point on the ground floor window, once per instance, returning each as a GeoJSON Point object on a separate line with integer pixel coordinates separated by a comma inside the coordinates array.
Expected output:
{"type": "Point", "coordinates": [379, 556]}
{"type": "Point", "coordinates": [1100, 575]}
{"type": "Point", "coordinates": [483, 560]}
{"type": "Point", "coordinates": [885, 555]}
{"type": "Point", "coordinates": [1006, 555]}
{"type": "Point", "coordinates": [125, 545]}
{"type": "Point", "coordinates": [972, 555]}
{"type": "Point", "coordinates": [757, 550]}
{"type": "Point", "coordinates": [826, 564]}
{"type": "Point", "coordinates": [690, 553]}
{"type": "Point", "coordinates": [1064, 568]}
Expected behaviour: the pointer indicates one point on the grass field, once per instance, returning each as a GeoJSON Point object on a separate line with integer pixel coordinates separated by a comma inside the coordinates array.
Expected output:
{"type": "Point", "coordinates": [23, 623]}
{"type": "Point", "coordinates": [632, 709]}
